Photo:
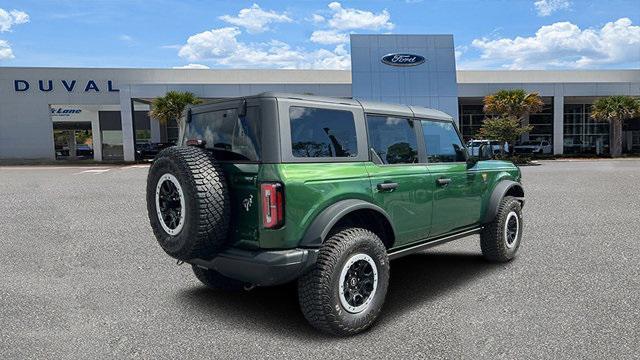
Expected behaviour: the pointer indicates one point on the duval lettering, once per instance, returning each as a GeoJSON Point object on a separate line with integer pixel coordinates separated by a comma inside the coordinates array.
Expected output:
{"type": "Point", "coordinates": [68, 85]}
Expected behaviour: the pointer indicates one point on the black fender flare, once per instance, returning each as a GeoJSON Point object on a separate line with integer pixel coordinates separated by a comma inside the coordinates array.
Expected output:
{"type": "Point", "coordinates": [322, 224]}
{"type": "Point", "coordinates": [499, 192]}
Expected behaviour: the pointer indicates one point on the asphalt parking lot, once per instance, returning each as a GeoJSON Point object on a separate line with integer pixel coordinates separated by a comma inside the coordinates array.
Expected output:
{"type": "Point", "coordinates": [82, 277]}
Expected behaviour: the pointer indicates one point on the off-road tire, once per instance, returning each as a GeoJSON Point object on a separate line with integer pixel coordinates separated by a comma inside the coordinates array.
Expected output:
{"type": "Point", "coordinates": [214, 280]}
{"type": "Point", "coordinates": [493, 242]}
{"type": "Point", "coordinates": [207, 206]}
{"type": "Point", "coordinates": [318, 289]}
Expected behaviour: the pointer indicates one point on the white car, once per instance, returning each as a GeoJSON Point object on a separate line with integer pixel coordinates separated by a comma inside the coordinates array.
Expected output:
{"type": "Point", "coordinates": [534, 147]}
{"type": "Point", "coordinates": [473, 146]}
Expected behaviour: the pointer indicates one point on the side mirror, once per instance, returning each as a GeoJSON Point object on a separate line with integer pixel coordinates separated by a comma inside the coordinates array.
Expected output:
{"type": "Point", "coordinates": [242, 109]}
{"type": "Point", "coordinates": [472, 161]}
{"type": "Point", "coordinates": [485, 152]}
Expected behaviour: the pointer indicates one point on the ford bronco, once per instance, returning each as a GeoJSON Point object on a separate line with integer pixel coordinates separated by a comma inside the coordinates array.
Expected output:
{"type": "Point", "coordinates": [274, 188]}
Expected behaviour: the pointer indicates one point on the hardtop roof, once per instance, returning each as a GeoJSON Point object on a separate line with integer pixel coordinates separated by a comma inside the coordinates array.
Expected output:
{"type": "Point", "coordinates": [372, 107]}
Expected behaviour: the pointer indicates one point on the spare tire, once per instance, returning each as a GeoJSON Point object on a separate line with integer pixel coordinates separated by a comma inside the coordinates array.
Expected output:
{"type": "Point", "coordinates": [188, 203]}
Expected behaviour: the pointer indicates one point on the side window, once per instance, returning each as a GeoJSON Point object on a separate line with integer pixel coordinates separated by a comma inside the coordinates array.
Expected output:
{"type": "Point", "coordinates": [319, 132]}
{"type": "Point", "coordinates": [393, 139]}
{"type": "Point", "coordinates": [442, 141]}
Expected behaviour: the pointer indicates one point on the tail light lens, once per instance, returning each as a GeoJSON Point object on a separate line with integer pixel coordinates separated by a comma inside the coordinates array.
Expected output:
{"type": "Point", "coordinates": [272, 205]}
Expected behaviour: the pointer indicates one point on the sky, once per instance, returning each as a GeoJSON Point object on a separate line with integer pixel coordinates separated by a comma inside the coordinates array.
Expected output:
{"type": "Point", "coordinates": [305, 34]}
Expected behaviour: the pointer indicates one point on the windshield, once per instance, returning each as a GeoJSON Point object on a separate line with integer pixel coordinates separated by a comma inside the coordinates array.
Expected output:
{"type": "Point", "coordinates": [230, 136]}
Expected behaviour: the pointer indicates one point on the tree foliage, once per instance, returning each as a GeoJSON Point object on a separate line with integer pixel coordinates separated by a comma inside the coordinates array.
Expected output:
{"type": "Point", "coordinates": [615, 110]}
{"type": "Point", "coordinates": [171, 105]}
{"type": "Point", "coordinates": [503, 129]}
{"type": "Point", "coordinates": [514, 103]}
{"type": "Point", "coordinates": [505, 110]}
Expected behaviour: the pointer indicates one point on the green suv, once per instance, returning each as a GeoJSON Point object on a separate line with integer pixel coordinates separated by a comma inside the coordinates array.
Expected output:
{"type": "Point", "coordinates": [272, 188]}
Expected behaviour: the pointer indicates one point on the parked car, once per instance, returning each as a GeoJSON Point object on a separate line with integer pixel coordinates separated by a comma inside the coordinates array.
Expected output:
{"type": "Point", "coordinates": [533, 147]}
{"type": "Point", "coordinates": [149, 150]}
{"type": "Point", "coordinates": [274, 188]}
{"type": "Point", "coordinates": [473, 146]}
{"type": "Point", "coordinates": [83, 151]}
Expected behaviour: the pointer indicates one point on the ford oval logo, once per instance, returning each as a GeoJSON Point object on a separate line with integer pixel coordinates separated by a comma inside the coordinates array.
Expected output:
{"type": "Point", "coordinates": [403, 59]}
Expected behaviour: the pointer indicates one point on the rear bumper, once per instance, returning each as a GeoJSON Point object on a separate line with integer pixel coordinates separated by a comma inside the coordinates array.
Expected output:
{"type": "Point", "coordinates": [261, 268]}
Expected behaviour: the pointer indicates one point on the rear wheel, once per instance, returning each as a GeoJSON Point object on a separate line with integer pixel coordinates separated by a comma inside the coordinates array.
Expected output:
{"type": "Point", "coordinates": [501, 238]}
{"type": "Point", "coordinates": [344, 292]}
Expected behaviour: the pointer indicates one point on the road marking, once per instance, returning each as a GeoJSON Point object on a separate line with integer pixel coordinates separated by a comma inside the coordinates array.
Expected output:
{"type": "Point", "coordinates": [92, 171]}
{"type": "Point", "coordinates": [135, 167]}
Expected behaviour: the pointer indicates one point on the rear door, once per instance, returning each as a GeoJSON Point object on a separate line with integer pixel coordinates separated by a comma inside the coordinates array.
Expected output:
{"type": "Point", "coordinates": [457, 198]}
{"type": "Point", "coordinates": [235, 140]}
{"type": "Point", "coordinates": [399, 179]}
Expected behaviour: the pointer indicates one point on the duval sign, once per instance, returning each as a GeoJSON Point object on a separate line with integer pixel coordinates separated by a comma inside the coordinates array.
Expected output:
{"type": "Point", "coordinates": [403, 59]}
{"type": "Point", "coordinates": [65, 85]}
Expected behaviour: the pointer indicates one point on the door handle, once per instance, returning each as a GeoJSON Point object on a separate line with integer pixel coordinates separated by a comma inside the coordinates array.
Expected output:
{"type": "Point", "coordinates": [387, 186]}
{"type": "Point", "coordinates": [443, 181]}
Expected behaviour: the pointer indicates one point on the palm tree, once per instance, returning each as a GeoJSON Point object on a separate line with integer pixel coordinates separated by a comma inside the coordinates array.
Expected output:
{"type": "Point", "coordinates": [506, 109]}
{"type": "Point", "coordinates": [171, 105]}
{"type": "Point", "coordinates": [615, 110]}
{"type": "Point", "coordinates": [515, 103]}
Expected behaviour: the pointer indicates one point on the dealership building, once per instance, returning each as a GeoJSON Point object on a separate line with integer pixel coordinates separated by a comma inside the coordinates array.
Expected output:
{"type": "Point", "coordinates": [102, 114]}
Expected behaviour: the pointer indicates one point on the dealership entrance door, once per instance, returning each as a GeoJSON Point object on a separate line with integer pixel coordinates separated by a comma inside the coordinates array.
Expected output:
{"type": "Point", "coordinates": [73, 140]}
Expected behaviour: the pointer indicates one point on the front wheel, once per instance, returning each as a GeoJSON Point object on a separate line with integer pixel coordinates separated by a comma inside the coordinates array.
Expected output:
{"type": "Point", "coordinates": [344, 292]}
{"type": "Point", "coordinates": [501, 238]}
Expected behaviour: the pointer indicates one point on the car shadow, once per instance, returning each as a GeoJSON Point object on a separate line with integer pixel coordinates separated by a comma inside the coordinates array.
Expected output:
{"type": "Point", "coordinates": [415, 280]}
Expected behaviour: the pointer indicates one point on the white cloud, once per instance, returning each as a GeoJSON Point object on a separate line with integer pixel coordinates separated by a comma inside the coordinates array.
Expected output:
{"type": "Point", "coordinates": [459, 51]}
{"type": "Point", "coordinates": [565, 45]}
{"type": "Point", "coordinates": [329, 37]}
{"type": "Point", "coordinates": [7, 20]}
{"type": "Point", "coordinates": [344, 19]}
{"type": "Point", "coordinates": [315, 18]}
{"type": "Point", "coordinates": [256, 20]}
{"type": "Point", "coordinates": [10, 18]}
{"type": "Point", "coordinates": [222, 47]}
{"type": "Point", "coordinates": [351, 19]}
{"type": "Point", "coordinates": [5, 51]}
{"type": "Point", "coordinates": [210, 44]}
{"type": "Point", "coordinates": [548, 7]}
{"type": "Point", "coordinates": [192, 66]}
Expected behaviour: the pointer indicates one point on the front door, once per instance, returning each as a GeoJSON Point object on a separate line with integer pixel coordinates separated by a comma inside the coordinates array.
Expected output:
{"type": "Point", "coordinates": [400, 183]}
{"type": "Point", "coordinates": [457, 198]}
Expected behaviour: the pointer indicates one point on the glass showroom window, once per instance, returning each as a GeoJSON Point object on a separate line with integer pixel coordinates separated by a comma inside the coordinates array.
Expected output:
{"type": "Point", "coordinates": [111, 135]}
{"type": "Point", "coordinates": [582, 134]}
{"type": "Point", "coordinates": [542, 123]}
{"type": "Point", "coordinates": [173, 131]}
{"type": "Point", "coordinates": [471, 117]}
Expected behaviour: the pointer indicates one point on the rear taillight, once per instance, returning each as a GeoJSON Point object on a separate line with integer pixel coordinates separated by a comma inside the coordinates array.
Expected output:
{"type": "Point", "coordinates": [272, 205]}
{"type": "Point", "coordinates": [196, 142]}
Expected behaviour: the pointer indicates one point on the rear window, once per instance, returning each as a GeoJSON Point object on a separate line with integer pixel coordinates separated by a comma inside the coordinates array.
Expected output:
{"type": "Point", "coordinates": [319, 132]}
{"type": "Point", "coordinates": [230, 136]}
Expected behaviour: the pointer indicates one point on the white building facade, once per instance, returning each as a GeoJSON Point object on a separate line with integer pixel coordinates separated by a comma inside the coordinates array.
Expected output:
{"type": "Point", "coordinates": [102, 114]}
